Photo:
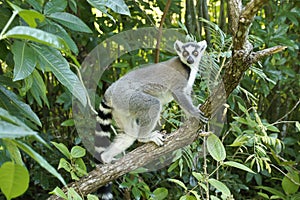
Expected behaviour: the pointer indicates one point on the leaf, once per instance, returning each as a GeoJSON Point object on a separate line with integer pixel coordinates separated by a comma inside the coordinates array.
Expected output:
{"type": "Point", "coordinates": [160, 193]}
{"type": "Point", "coordinates": [77, 152]}
{"type": "Point", "coordinates": [8, 130]}
{"type": "Point", "coordinates": [14, 179]}
{"type": "Point", "coordinates": [92, 197]}
{"type": "Point", "coordinates": [297, 126]}
{"type": "Point", "coordinates": [39, 159]}
{"type": "Point", "coordinates": [70, 21]}
{"type": "Point", "coordinates": [272, 190]}
{"type": "Point", "coordinates": [178, 182]}
{"type": "Point", "coordinates": [37, 5]}
{"type": "Point", "coordinates": [63, 163]}
{"type": "Point", "coordinates": [239, 166]}
{"type": "Point", "coordinates": [63, 149]}
{"type": "Point", "coordinates": [117, 6]}
{"type": "Point", "coordinates": [36, 35]}
{"type": "Point", "coordinates": [58, 30]}
{"type": "Point", "coordinates": [198, 176]}
{"type": "Point", "coordinates": [220, 186]}
{"type": "Point", "coordinates": [30, 17]}
{"type": "Point", "coordinates": [24, 58]}
{"type": "Point", "coordinates": [289, 186]}
{"type": "Point", "coordinates": [216, 148]}
{"type": "Point", "coordinates": [13, 103]}
{"type": "Point", "coordinates": [61, 69]}
{"type": "Point", "coordinates": [55, 6]}
{"type": "Point", "coordinates": [72, 194]}
{"type": "Point", "coordinates": [38, 89]}
{"type": "Point", "coordinates": [58, 192]}
{"type": "Point", "coordinates": [14, 152]}
{"type": "Point", "coordinates": [68, 122]}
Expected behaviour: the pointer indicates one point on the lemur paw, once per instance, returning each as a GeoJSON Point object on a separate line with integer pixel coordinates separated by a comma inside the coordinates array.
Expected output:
{"type": "Point", "coordinates": [202, 116]}
{"type": "Point", "coordinates": [156, 137]}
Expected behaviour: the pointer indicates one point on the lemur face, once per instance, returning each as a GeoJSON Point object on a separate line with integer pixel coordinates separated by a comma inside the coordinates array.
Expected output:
{"type": "Point", "coordinates": [190, 53]}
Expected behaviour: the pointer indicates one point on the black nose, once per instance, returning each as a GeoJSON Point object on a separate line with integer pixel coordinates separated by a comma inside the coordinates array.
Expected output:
{"type": "Point", "coordinates": [190, 60]}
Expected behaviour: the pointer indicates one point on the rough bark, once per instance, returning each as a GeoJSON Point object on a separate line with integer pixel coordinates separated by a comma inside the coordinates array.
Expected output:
{"type": "Point", "coordinates": [242, 57]}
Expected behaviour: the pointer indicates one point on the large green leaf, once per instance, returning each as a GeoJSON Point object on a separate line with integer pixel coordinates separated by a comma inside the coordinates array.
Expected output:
{"type": "Point", "coordinates": [55, 6]}
{"type": "Point", "coordinates": [117, 6]}
{"type": "Point", "coordinates": [8, 130]}
{"type": "Point", "coordinates": [36, 35]}
{"type": "Point", "coordinates": [289, 186]}
{"type": "Point", "coordinates": [61, 69]}
{"type": "Point", "coordinates": [216, 148]}
{"type": "Point", "coordinates": [24, 58]}
{"type": "Point", "coordinates": [70, 21]}
{"type": "Point", "coordinates": [11, 102]}
{"type": "Point", "coordinates": [14, 179]}
{"type": "Point", "coordinates": [37, 157]}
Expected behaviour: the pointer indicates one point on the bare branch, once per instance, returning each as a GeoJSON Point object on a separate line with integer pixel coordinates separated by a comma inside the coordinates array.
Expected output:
{"type": "Point", "coordinates": [266, 52]}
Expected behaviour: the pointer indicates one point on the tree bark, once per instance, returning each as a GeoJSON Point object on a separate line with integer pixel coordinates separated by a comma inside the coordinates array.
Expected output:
{"type": "Point", "coordinates": [242, 58]}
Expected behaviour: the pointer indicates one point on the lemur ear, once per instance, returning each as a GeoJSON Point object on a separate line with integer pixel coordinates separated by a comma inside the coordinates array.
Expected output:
{"type": "Point", "coordinates": [202, 44]}
{"type": "Point", "coordinates": [178, 45]}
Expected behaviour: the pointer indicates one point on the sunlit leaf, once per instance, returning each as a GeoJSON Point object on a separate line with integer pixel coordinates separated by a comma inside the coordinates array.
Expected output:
{"type": "Point", "coordinates": [14, 179]}
{"type": "Point", "coordinates": [37, 35]}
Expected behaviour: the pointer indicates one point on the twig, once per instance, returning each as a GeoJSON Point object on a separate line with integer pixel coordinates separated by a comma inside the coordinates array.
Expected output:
{"type": "Point", "coordinates": [160, 30]}
{"type": "Point", "coordinates": [284, 116]}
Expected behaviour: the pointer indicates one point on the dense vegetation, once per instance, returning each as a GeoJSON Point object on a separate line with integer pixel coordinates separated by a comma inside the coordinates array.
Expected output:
{"type": "Point", "coordinates": [42, 43]}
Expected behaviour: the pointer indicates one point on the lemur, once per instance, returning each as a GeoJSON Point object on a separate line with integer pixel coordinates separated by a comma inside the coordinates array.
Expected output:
{"type": "Point", "coordinates": [135, 100]}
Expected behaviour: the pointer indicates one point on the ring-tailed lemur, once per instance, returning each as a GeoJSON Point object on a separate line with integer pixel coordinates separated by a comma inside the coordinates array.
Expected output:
{"type": "Point", "coordinates": [135, 100]}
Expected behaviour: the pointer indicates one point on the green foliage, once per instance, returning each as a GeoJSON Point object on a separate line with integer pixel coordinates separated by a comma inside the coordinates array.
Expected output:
{"type": "Point", "coordinates": [76, 166]}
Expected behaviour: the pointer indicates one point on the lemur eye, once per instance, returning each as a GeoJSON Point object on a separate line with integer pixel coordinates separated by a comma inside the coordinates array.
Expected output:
{"type": "Point", "coordinates": [195, 53]}
{"type": "Point", "coordinates": [185, 53]}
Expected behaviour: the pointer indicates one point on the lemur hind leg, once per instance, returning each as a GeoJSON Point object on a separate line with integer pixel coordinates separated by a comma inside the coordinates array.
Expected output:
{"type": "Point", "coordinates": [123, 140]}
{"type": "Point", "coordinates": [147, 117]}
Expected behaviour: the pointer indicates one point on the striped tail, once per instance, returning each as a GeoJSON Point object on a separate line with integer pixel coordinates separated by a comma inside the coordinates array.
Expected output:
{"type": "Point", "coordinates": [101, 142]}
{"type": "Point", "coordinates": [102, 132]}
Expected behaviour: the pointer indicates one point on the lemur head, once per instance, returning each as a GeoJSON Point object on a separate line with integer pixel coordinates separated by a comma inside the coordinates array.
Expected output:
{"type": "Point", "coordinates": [190, 53]}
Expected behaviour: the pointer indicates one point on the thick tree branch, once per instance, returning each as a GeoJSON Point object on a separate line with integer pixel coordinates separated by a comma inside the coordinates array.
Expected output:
{"type": "Point", "coordinates": [234, 69]}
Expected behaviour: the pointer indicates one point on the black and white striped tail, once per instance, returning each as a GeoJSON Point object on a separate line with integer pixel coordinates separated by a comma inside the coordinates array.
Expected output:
{"type": "Point", "coordinates": [102, 141]}
{"type": "Point", "coordinates": [102, 132]}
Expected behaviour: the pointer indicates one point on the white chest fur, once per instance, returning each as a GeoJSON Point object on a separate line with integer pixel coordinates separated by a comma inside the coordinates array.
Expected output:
{"type": "Point", "coordinates": [192, 77]}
